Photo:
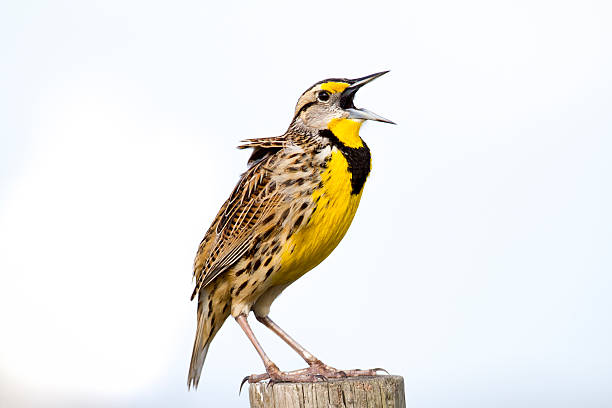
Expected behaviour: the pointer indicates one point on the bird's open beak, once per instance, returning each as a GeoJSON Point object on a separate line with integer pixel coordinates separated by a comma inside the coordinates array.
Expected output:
{"type": "Point", "coordinates": [346, 100]}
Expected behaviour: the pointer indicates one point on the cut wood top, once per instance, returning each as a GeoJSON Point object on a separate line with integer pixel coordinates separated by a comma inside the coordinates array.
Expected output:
{"type": "Point", "coordinates": [383, 391]}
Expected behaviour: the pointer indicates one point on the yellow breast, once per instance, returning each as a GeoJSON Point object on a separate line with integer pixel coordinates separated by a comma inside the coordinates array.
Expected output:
{"type": "Point", "coordinates": [336, 207]}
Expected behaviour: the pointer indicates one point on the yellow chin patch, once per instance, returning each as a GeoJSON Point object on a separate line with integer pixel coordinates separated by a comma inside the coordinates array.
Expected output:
{"type": "Point", "coordinates": [347, 131]}
{"type": "Point", "coordinates": [334, 87]}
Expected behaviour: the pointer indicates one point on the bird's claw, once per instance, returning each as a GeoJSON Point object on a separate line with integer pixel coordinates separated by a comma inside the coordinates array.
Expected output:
{"type": "Point", "coordinates": [245, 379]}
{"type": "Point", "coordinates": [321, 377]}
{"type": "Point", "coordinates": [253, 378]}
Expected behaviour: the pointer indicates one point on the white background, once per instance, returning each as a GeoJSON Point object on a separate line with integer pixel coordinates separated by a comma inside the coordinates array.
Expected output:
{"type": "Point", "coordinates": [478, 265]}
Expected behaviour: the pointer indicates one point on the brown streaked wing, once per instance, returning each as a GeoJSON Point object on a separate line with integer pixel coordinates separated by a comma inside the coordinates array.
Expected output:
{"type": "Point", "coordinates": [234, 229]}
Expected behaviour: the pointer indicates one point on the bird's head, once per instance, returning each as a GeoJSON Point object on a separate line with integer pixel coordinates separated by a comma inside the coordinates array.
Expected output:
{"type": "Point", "coordinates": [331, 100]}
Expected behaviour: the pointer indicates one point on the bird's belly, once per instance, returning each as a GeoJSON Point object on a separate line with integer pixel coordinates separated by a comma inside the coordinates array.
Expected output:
{"type": "Point", "coordinates": [335, 209]}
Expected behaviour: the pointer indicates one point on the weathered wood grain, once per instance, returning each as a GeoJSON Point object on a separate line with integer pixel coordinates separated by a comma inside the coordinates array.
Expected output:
{"type": "Point", "coordinates": [384, 391]}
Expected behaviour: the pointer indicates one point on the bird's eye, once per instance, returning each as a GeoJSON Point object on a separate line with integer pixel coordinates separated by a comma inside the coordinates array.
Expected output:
{"type": "Point", "coordinates": [323, 96]}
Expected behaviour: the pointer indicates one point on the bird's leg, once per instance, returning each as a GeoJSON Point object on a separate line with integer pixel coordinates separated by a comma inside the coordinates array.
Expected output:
{"type": "Point", "coordinates": [305, 354]}
{"type": "Point", "coordinates": [272, 371]}
{"type": "Point", "coordinates": [316, 366]}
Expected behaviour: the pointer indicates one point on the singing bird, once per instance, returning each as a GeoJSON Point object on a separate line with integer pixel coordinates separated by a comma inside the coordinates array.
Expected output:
{"type": "Point", "coordinates": [289, 210]}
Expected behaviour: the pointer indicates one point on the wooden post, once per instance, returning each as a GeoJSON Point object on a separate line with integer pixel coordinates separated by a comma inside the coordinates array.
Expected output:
{"type": "Point", "coordinates": [384, 391]}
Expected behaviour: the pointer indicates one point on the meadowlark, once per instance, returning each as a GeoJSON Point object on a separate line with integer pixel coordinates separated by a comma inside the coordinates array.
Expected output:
{"type": "Point", "coordinates": [287, 213]}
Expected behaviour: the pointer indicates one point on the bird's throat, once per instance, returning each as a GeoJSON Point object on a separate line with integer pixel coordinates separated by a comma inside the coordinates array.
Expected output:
{"type": "Point", "coordinates": [344, 135]}
{"type": "Point", "coordinates": [346, 131]}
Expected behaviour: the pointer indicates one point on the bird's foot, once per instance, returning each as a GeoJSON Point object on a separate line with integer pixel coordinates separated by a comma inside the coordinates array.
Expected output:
{"type": "Point", "coordinates": [318, 368]}
{"type": "Point", "coordinates": [275, 375]}
{"type": "Point", "coordinates": [317, 371]}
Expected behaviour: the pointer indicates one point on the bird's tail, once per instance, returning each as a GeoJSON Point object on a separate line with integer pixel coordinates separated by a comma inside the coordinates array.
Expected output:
{"type": "Point", "coordinates": [209, 322]}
